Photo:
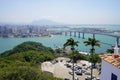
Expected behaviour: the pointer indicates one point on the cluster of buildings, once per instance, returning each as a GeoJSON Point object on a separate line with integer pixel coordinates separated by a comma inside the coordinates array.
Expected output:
{"type": "Point", "coordinates": [23, 31]}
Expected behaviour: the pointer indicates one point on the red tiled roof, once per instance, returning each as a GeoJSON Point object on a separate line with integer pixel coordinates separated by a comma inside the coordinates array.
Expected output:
{"type": "Point", "coordinates": [110, 58]}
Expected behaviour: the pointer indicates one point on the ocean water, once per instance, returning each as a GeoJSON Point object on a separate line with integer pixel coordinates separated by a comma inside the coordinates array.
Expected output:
{"type": "Point", "coordinates": [58, 40]}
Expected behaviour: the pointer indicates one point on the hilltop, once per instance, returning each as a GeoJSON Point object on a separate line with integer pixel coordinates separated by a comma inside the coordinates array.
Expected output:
{"type": "Point", "coordinates": [26, 46]}
{"type": "Point", "coordinates": [23, 62]}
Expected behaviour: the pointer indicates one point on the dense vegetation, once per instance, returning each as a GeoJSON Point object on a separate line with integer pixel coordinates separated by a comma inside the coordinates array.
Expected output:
{"type": "Point", "coordinates": [110, 50]}
{"type": "Point", "coordinates": [23, 62]}
{"type": "Point", "coordinates": [79, 56]}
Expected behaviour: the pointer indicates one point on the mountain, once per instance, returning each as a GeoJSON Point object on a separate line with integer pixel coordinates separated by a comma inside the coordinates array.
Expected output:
{"type": "Point", "coordinates": [42, 22]}
{"type": "Point", "coordinates": [45, 22]}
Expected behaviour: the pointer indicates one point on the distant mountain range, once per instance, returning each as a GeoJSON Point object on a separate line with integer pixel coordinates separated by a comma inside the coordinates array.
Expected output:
{"type": "Point", "coordinates": [45, 22]}
{"type": "Point", "coordinates": [36, 22]}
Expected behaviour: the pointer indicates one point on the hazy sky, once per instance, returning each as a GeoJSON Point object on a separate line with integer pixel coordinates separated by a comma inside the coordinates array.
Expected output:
{"type": "Point", "coordinates": [65, 11]}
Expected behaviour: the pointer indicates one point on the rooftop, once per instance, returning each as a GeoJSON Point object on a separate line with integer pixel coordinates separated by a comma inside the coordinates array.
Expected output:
{"type": "Point", "coordinates": [110, 58]}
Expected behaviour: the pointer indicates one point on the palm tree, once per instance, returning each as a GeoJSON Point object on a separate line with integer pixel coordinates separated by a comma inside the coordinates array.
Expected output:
{"type": "Point", "coordinates": [92, 42]}
{"type": "Point", "coordinates": [70, 42]}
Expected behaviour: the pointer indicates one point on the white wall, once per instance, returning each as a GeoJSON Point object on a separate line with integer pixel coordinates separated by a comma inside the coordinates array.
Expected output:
{"type": "Point", "coordinates": [107, 70]}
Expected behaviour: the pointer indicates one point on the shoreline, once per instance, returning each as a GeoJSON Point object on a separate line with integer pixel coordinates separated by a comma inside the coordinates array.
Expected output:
{"type": "Point", "coordinates": [29, 37]}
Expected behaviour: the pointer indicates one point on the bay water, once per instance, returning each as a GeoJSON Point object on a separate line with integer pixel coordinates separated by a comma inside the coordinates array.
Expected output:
{"type": "Point", "coordinates": [59, 40]}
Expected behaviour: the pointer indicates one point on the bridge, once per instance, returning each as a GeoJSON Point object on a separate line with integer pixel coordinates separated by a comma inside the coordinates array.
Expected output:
{"type": "Point", "coordinates": [93, 33]}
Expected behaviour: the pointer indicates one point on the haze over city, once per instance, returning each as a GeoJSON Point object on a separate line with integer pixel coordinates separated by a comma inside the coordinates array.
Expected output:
{"type": "Point", "coordinates": [62, 11]}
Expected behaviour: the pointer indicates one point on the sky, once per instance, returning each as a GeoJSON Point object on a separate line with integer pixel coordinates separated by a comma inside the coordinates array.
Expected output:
{"type": "Point", "coordinates": [64, 11]}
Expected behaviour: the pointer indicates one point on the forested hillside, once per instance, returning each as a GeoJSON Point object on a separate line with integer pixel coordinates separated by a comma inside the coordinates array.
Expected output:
{"type": "Point", "coordinates": [23, 62]}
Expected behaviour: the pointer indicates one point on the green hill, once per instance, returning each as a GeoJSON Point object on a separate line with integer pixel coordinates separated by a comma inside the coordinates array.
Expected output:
{"type": "Point", "coordinates": [26, 46]}
{"type": "Point", "coordinates": [23, 62]}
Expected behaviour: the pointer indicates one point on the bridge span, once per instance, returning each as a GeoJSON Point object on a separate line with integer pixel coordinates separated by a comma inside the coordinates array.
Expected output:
{"type": "Point", "coordinates": [93, 33]}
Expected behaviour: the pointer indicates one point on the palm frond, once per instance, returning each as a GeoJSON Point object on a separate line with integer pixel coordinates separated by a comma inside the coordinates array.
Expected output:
{"type": "Point", "coordinates": [71, 42]}
{"type": "Point", "coordinates": [92, 42]}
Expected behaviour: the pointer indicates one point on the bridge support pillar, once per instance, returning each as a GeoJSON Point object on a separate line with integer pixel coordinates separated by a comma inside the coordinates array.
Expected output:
{"type": "Point", "coordinates": [93, 35]}
{"type": "Point", "coordinates": [70, 33]}
{"type": "Point", "coordinates": [83, 36]}
{"type": "Point", "coordinates": [74, 34]}
{"type": "Point", "coordinates": [65, 33]}
{"type": "Point", "coordinates": [117, 39]}
{"type": "Point", "coordinates": [78, 34]}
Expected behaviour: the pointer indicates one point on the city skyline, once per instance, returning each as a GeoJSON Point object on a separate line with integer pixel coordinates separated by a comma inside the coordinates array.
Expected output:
{"type": "Point", "coordinates": [62, 11]}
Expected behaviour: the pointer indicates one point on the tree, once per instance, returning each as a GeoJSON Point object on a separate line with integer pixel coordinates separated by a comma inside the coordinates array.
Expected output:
{"type": "Point", "coordinates": [110, 50]}
{"type": "Point", "coordinates": [70, 42]}
{"type": "Point", "coordinates": [77, 56]}
{"type": "Point", "coordinates": [95, 59]}
{"type": "Point", "coordinates": [92, 42]}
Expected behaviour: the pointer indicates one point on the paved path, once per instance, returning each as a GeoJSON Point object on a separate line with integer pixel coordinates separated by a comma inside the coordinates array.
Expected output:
{"type": "Point", "coordinates": [61, 71]}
